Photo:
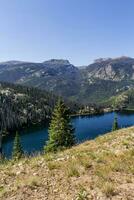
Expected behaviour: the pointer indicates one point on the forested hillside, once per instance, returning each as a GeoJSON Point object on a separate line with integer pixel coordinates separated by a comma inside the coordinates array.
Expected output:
{"type": "Point", "coordinates": [23, 106]}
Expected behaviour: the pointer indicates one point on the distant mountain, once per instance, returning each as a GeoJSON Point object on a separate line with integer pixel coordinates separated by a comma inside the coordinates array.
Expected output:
{"type": "Point", "coordinates": [53, 75]}
{"type": "Point", "coordinates": [116, 69]}
{"type": "Point", "coordinates": [106, 78]}
{"type": "Point", "coordinates": [95, 83]}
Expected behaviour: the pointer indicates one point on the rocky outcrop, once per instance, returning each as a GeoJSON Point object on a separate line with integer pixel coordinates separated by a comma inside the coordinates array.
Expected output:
{"type": "Point", "coordinates": [112, 69]}
{"type": "Point", "coordinates": [86, 84]}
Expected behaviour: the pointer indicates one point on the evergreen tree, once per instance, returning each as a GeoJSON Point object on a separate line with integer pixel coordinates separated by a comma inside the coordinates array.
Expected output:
{"type": "Point", "coordinates": [17, 148]}
{"type": "Point", "coordinates": [115, 124]}
{"type": "Point", "coordinates": [61, 132]}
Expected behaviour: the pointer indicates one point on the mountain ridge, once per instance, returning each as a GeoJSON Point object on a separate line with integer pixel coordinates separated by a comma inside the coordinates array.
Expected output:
{"type": "Point", "coordinates": [106, 77]}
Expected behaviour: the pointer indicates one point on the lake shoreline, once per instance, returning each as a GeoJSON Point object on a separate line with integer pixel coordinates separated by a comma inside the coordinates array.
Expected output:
{"type": "Point", "coordinates": [87, 127]}
{"type": "Point", "coordinates": [104, 112]}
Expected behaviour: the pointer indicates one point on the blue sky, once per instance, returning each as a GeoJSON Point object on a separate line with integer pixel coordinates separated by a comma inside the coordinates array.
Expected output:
{"type": "Point", "coordinates": [77, 30]}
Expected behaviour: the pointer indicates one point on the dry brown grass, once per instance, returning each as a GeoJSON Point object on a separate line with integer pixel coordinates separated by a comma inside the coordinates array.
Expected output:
{"type": "Point", "coordinates": [102, 168]}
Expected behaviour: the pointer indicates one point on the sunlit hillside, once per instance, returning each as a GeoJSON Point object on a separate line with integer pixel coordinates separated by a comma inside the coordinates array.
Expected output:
{"type": "Point", "coordinates": [99, 169]}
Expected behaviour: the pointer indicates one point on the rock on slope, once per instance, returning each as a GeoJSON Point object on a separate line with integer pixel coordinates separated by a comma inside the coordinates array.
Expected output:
{"type": "Point", "coordinates": [99, 169]}
{"type": "Point", "coordinates": [89, 84]}
{"type": "Point", "coordinates": [116, 69]}
{"type": "Point", "coordinates": [54, 75]}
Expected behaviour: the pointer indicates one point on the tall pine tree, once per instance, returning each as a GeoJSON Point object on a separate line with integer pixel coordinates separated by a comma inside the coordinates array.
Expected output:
{"type": "Point", "coordinates": [115, 124]}
{"type": "Point", "coordinates": [61, 132]}
{"type": "Point", "coordinates": [17, 148]}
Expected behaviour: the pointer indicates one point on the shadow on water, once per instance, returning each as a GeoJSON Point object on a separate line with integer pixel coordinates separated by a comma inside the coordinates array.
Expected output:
{"type": "Point", "coordinates": [86, 127]}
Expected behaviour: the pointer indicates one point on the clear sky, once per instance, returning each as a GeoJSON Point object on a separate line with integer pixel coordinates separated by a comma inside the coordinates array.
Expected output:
{"type": "Point", "coordinates": [77, 30]}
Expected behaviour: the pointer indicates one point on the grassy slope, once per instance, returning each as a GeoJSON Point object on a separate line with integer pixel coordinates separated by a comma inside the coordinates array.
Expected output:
{"type": "Point", "coordinates": [99, 169]}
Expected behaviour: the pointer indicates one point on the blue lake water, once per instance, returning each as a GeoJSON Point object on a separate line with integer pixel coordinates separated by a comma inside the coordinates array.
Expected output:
{"type": "Point", "coordinates": [86, 127]}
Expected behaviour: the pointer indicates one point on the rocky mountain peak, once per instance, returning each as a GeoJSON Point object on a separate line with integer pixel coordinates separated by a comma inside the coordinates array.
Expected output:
{"type": "Point", "coordinates": [99, 60]}
{"type": "Point", "coordinates": [57, 62]}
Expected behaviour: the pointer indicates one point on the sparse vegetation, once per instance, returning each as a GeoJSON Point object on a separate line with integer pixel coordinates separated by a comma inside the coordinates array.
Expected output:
{"type": "Point", "coordinates": [72, 170]}
{"type": "Point", "coordinates": [101, 168]}
{"type": "Point", "coordinates": [82, 194]}
{"type": "Point", "coordinates": [109, 189]}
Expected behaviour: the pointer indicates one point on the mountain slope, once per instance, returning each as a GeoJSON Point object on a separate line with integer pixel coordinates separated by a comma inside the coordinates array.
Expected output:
{"type": "Point", "coordinates": [116, 69]}
{"type": "Point", "coordinates": [21, 106]}
{"type": "Point", "coordinates": [107, 77]}
{"type": "Point", "coordinates": [55, 75]}
{"type": "Point", "coordinates": [95, 83]}
{"type": "Point", "coordinates": [125, 100]}
{"type": "Point", "coordinates": [99, 169]}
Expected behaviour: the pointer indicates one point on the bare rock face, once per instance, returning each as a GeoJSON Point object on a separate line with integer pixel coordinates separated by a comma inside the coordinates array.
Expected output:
{"type": "Point", "coordinates": [112, 69]}
{"type": "Point", "coordinates": [69, 81]}
{"type": "Point", "coordinates": [104, 73]}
